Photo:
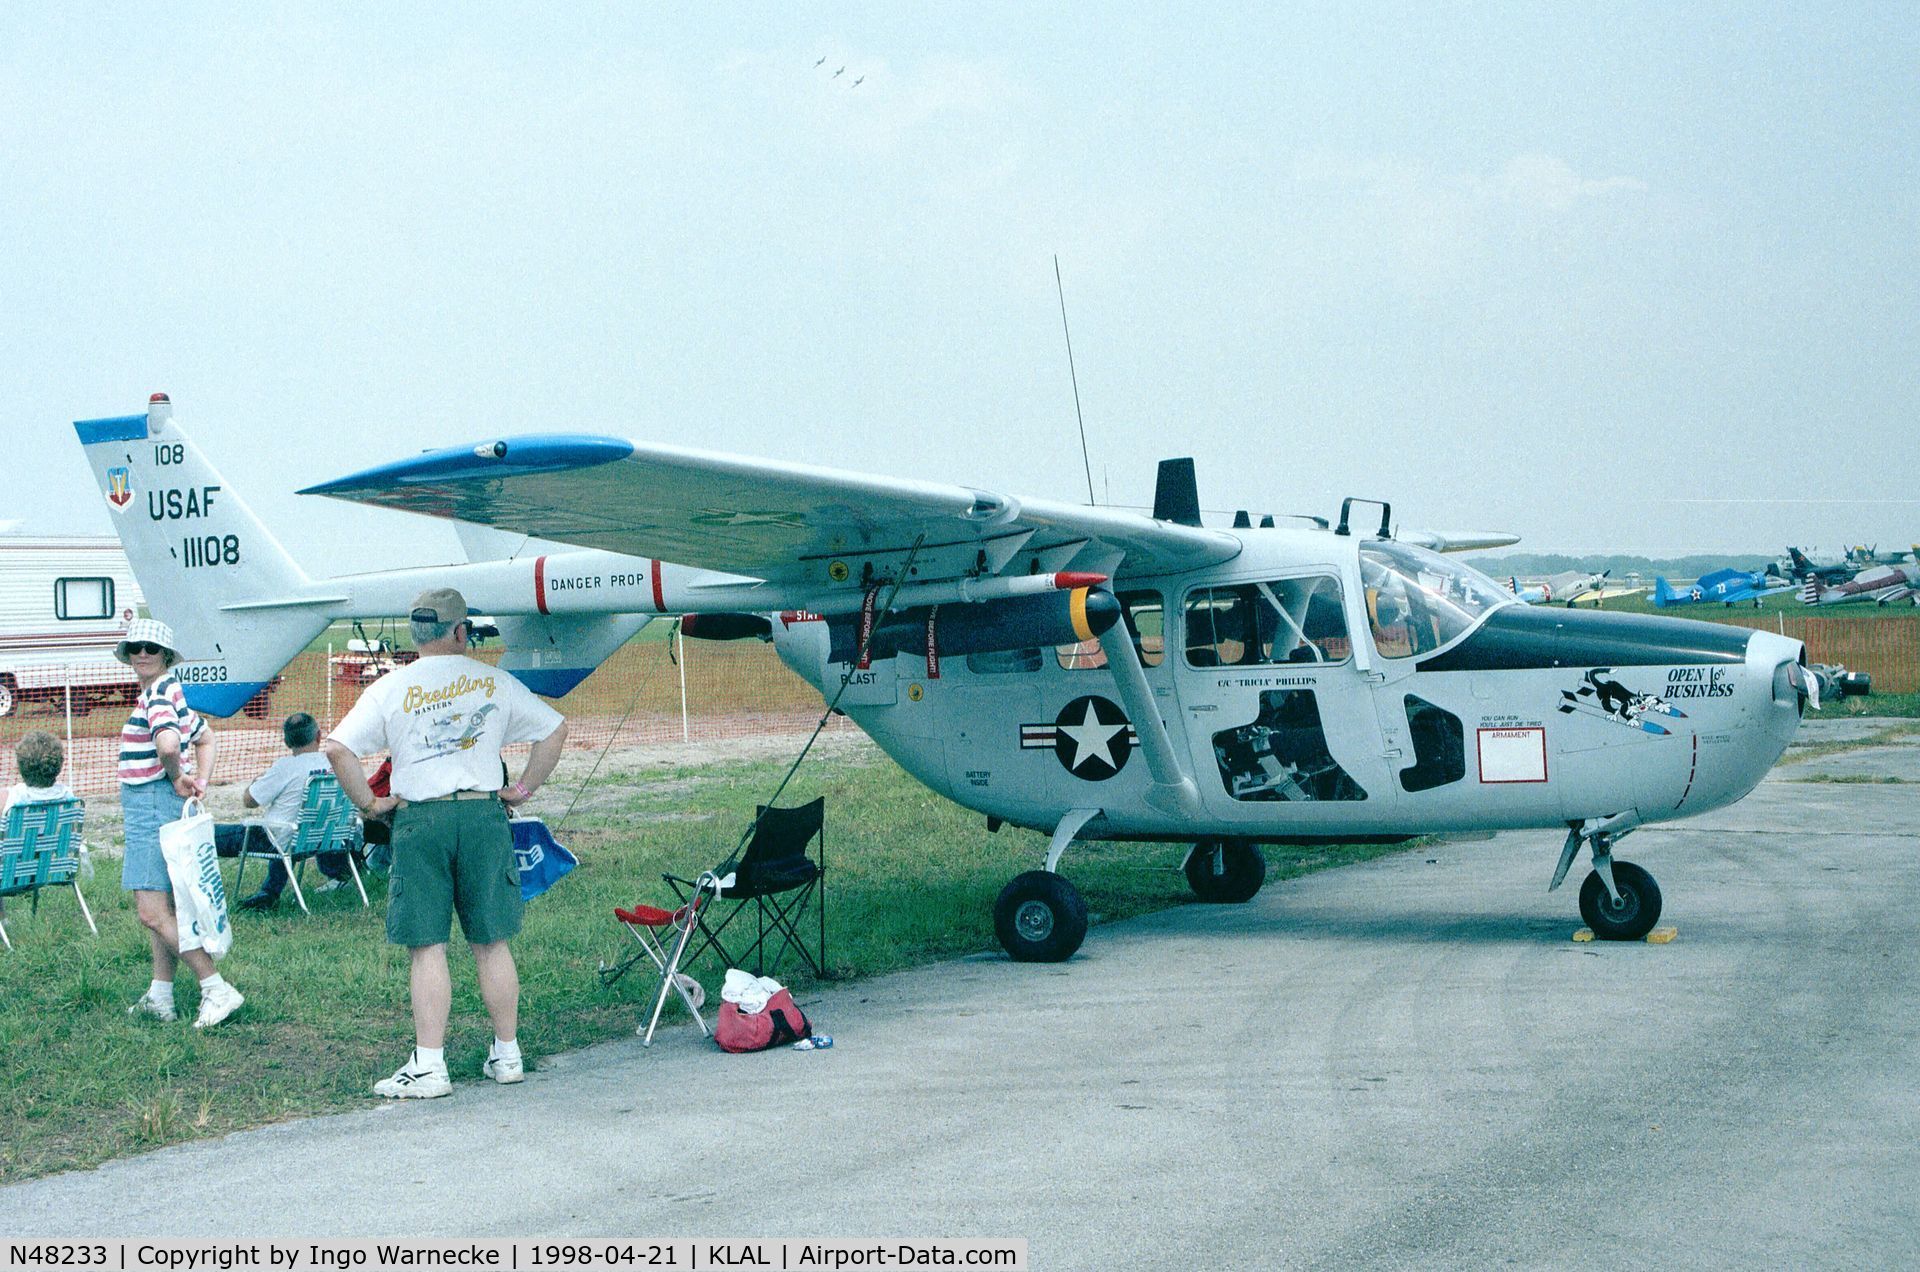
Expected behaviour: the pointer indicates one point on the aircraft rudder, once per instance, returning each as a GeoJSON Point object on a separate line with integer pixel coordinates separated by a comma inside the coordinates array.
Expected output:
{"type": "Point", "coordinates": [197, 549]}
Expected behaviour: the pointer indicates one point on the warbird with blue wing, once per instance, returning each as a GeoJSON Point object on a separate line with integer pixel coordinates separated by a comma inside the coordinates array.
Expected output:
{"type": "Point", "coordinates": [1086, 672]}
{"type": "Point", "coordinates": [1725, 587]}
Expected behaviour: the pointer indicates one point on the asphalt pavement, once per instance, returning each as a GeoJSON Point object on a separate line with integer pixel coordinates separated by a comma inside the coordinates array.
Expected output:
{"type": "Point", "coordinates": [1398, 1064]}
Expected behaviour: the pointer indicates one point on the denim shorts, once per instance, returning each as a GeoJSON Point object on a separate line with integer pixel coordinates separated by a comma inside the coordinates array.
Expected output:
{"type": "Point", "coordinates": [144, 809]}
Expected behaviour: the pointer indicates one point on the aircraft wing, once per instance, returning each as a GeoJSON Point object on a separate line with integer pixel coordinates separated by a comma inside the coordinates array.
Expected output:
{"type": "Point", "coordinates": [1752, 593]}
{"type": "Point", "coordinates": [785, 523]}
{"type": "Point", "coordinates": [1456, 540]}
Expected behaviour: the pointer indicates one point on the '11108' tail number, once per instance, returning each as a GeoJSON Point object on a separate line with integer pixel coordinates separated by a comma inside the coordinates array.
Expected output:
{"type": "Point", "coordinates": [211, 550]}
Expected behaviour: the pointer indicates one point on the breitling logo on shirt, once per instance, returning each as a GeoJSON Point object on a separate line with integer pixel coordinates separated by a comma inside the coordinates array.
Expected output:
{"type": "Point", "coordinates": [418, 699]}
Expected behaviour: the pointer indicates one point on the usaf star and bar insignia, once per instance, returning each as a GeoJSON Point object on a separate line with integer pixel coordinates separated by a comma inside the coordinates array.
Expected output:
{"type": "Point", "coordinates": [1090, 737]}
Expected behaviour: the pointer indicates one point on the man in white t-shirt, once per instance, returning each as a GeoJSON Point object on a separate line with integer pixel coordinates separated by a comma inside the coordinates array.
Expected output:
{"type": "Point", "coordinates": [282, 792]}
{"type": "Point", "coordinates": [444, 718]}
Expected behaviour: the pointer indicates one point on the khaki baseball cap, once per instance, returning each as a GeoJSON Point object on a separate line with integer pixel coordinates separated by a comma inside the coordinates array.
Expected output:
{"type": "Point", "coordinates": [439, 605]}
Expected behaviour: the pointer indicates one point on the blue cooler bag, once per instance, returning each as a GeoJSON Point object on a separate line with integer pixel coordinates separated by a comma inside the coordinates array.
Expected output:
{"type": "Point", "coordinates": [541, 858]}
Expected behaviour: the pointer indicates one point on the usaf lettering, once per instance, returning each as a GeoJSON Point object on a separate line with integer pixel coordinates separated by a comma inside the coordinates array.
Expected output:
{"type": "Point", "coordinates": [173, 505]}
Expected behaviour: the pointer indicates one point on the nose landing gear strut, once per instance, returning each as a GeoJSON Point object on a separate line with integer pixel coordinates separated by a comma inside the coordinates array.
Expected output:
{"type": "Point", "coordinates": [1619, 900]}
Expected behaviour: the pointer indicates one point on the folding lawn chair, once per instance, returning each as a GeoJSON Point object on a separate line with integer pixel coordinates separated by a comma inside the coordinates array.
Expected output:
{"type": "Point", "coordinates": [325, 825]}
{"type": "Point", "coordinates": [777, 881]}
{"type": "Point", "coordinates": [663, 937]}
{"type": "Point", "coordinates": [40, 848]}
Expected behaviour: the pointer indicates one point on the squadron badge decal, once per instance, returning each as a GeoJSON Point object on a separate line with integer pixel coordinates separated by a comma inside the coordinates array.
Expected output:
{"type": "Point", "coordinates": [1090, 737]}
{"type": "Point", "coordinates": [119, 488]}
{"type": "Point", "coordinates": [1611, 700]}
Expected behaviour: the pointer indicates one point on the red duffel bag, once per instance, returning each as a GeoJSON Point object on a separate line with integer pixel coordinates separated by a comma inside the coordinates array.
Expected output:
{"type": "Point", "coordinates": [778, 1023]}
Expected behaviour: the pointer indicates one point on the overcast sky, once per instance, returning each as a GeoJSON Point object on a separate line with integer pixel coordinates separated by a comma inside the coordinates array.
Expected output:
{"type": "Point", "coordinates": [1621, 278]}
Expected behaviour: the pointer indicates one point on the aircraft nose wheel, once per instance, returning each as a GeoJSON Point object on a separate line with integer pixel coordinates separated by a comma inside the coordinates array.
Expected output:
{"type": "Point", "coordinates": [1040, 918]}
{"type": "Point", "coordinates": [1633, 915]}
{"type": "Point", "coordinates": [1225, 873]}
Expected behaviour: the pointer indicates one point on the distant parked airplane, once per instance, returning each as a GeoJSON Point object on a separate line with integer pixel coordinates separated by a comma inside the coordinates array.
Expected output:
{"type": "Point", "coordinates": [1804, 567]}
{"type": "Point", "coordinates": [1864, 556]}
{"type": "Point", "coordinates": [1883, 584]}
{"type": "Point", "coordinates": [1570, 586]}
{"type": "Point", "coordinates": [1729, 587]}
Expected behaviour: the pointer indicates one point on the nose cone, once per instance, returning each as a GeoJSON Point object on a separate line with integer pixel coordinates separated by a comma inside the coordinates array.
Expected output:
{"type": "Point", "coordinates": [1737, 748]}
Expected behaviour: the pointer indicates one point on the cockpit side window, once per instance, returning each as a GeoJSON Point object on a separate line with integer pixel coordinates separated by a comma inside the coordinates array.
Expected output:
{"type": "Point", "coordinates": [1418, 601]}
{"type": "Point", "coordinates": [1296, 620]}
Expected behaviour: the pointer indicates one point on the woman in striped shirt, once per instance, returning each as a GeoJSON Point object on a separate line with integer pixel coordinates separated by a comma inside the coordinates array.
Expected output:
{"type": "Point", "coordinates": [166, 756]}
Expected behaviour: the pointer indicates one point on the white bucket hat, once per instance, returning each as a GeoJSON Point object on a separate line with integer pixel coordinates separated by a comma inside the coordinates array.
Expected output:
{"type": "Point", "coordinates": [150, 631]}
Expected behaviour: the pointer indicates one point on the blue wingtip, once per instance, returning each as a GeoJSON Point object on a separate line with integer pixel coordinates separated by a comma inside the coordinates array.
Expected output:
{"type": "Point", "coordinates": [505, 457]}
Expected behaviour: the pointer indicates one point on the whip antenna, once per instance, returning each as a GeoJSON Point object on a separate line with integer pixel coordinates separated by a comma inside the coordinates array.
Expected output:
{"type": "Point", "coordinates": [1081, 419]}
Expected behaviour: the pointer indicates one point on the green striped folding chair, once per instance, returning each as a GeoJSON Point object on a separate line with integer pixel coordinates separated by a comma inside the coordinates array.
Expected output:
{"type": "Point", "coordinates": [40, 848]}
{"type": "Point", "coordinates": [325, 825]}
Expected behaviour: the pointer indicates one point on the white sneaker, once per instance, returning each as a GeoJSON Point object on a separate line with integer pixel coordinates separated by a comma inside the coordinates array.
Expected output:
{"type": "Point", "coordinates": [503, 1070]}
{"type": "Point", "coordinates": [414, 1081]}
{"type": "Point", "coordinates": [151, 1006]}
{"type": "Point", "coordinates": [217, 1004]}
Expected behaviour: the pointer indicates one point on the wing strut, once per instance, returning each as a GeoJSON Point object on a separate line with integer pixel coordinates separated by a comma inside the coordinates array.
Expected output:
{"type": "Point", "coordinates": [1172, 789]}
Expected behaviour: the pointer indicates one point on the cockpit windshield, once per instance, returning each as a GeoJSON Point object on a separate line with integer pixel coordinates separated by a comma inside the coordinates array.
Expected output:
{"type": "Point", "coordinates": [1418, 601]}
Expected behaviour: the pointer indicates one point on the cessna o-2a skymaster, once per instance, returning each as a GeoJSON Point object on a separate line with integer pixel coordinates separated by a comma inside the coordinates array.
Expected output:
{"type": "Point", "coordinates": [1083, 671]}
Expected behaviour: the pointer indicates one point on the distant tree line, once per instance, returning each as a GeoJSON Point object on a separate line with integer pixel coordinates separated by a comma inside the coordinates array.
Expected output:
{"type": "Point", "coordinates": [1536, 564]}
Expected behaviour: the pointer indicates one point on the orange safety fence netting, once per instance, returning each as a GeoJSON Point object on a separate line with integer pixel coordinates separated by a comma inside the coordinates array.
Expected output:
{"type": "Point", "coordinates": [734, 690]}
{"type": "Point", "coordinates": [1888, 649]}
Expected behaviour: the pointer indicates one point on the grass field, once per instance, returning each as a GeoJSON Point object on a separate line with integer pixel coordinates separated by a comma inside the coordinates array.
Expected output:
{"type": "Point", "coordinates": [913, 879]}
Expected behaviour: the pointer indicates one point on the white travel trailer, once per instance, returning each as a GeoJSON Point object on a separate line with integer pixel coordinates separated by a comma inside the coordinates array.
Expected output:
{"type": "Point", "coordinates": [64, 604]}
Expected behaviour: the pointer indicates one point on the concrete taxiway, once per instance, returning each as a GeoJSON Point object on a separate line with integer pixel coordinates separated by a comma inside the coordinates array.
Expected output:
{"type": "Point", "coordinates": [1404, 1063]}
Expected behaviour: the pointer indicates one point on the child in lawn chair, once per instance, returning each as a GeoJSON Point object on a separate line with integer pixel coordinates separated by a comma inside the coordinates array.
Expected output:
{"type": "Point", "coordinates": [40, 758]}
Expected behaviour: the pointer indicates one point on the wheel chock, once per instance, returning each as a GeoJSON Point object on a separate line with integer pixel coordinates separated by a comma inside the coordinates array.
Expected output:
{"type": "Point", "coordinates": [1659, 935]}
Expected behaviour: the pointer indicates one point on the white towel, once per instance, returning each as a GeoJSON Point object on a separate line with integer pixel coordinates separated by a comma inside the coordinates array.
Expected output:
{"type": "Point", "coordinates": [749, 992]}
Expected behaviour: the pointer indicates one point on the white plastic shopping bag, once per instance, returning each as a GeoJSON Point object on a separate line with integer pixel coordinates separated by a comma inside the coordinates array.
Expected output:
{"type": "Point", "coordinates": [199, 897]}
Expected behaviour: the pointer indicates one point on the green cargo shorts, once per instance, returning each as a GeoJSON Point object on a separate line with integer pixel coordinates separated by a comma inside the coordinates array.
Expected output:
{"type": "Point", "coordinates": [453, 856]}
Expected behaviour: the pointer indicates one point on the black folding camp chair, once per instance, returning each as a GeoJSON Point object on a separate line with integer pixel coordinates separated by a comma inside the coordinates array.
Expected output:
{"type": "Point", "coordinates": [777, 881]}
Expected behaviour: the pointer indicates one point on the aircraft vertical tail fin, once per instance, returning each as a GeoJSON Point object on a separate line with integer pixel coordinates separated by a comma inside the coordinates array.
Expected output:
{"type": "Point", "coordinates": [1663, 593]}
{"type": "Point", "coordinates": [239, 607]}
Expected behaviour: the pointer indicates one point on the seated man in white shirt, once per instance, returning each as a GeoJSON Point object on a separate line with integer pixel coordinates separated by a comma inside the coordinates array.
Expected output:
{"type": "Point", "coordinates": [282, 792]}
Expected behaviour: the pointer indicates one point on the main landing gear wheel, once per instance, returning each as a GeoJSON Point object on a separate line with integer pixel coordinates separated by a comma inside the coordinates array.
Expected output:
{"type": "Point", "coordinates": [6, 696]}
{"type": "Point", "coordinates": [1225, 873]}
{"type": "Point", "coordinates": [1040, 918]}
{"type": "Point", "coordinates": [1630, 918]}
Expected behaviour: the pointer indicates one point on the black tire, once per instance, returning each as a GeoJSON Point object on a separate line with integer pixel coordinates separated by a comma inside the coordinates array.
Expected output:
{"type": "Point", "coordinates": [1040, 918]}
{"type": "Point", "coordinates": [7, 699]}
{"type": "Point", "coordinates": [1240, 872]}
{"type": "Point", "coordinates": [1639, 907]}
